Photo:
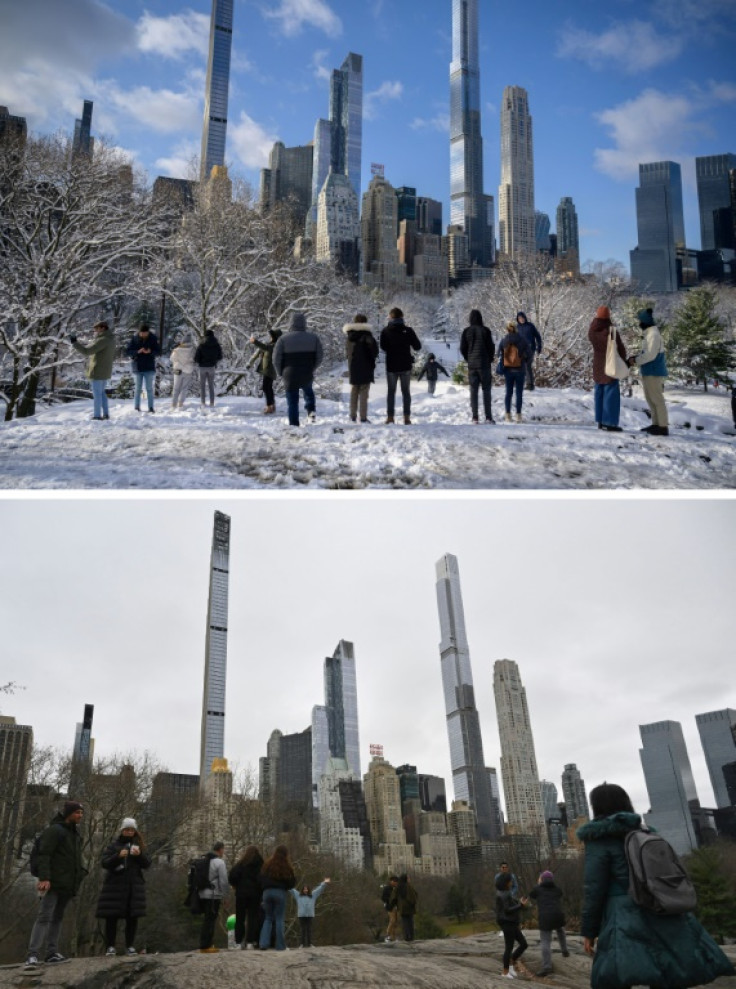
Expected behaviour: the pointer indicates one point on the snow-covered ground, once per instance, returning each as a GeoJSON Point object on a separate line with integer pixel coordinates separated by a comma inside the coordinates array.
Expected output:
{"type": "Point", "coordinates": [234, 446]}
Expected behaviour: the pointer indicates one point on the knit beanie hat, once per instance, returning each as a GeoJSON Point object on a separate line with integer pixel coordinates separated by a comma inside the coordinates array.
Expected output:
{"type": "Point", "coordinates": [298, 321]}
{"type": "Point", "coordinates": [645, 317]}
{"type": "Point", "coordinates": [128, 822]}
{"type": "Point", "coordinates": [603, 312]}
{"type": "Point", "coordinates": [70, 807]}
{"type": "Point", "coordinates": [546, 875]}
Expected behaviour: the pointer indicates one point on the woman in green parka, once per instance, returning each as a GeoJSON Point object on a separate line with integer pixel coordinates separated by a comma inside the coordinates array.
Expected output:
{"type": "Point", "coordinates": [635, 947]}
{"type": "Point", "coordinates": [263, 357]}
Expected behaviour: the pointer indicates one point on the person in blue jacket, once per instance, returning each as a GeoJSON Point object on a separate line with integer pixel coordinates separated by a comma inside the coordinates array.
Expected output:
{"type": "Point", "coordinates": [306, 900]}
{"type": "Point", "coordinates": [530, 333]}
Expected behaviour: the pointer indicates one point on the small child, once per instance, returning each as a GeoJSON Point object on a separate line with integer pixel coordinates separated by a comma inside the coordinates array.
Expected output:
{"type": "Point", "coordinates": [305, 902]}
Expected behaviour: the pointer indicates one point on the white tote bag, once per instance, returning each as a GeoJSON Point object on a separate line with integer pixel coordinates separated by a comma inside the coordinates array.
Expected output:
{"type": "Point", "coordinates": [616, 366]}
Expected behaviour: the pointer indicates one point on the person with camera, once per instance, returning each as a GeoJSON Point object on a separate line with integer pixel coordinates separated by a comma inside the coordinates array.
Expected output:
{"type": "Point", "coordinates": [143, 350]}
{"type": "Point", "coordinates": [123, 893]}
{"type": "Point", "coordinates": [101, 353]}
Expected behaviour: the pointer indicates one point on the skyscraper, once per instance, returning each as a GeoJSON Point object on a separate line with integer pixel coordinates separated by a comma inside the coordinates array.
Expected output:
{"type": "Point", "coordinates": [661, 227]}
{"type": "Point", "coordinates": [288, 179]}
{"type": "Point", "coordinates": [214, 130]}
{"type": "Point", "coordinates": [521, 787]}
{"type": "Point", "coordinates": [12, 127]}
{"type": "Point", "coordinates": [379, 250]}
{"type": "Point", "coordinates": [16, 746]}
{"type": "Point", "coordinates": [516, 226]}
{"type": "Point", "coordinates": [83, 143]}
{"type": "Point", "coordinates": [568, 242]}
{"type": "Point", "coordinates": [341, 703]}
{"type": "Point", "coordinates": [469, 774]}
{"type": "Point", "coordinates": [670, 784]}
{"type": "Point", "coordinates": [713, 194]}
{"type": "Point", "coordinates": [541, 231]}
{"type": "Point", "coordinates": [338, 225]}
{"type": "Point", "coordinates": [82, 754]}
{"type": "Point", "coordinates": [718, 738]}
{"type": "Point", "coordinates": [215, 663]}
{"type": "Point", "coordinates": [466, 144]}
{"type": "Point", "coordinates": [573, 793]}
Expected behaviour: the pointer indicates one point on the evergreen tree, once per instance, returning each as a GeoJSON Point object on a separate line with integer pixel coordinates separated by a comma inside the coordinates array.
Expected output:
{"type": "Point", "coordinates": [699, 346]}
{"type": "Point", "coordinates": [716, 908]}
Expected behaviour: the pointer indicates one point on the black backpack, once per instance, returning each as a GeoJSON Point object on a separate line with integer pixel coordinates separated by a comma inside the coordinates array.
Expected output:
{"type": "Point", "coordinates": [199, 873]}
{"type": "Point", "coordinates": [657, 880]}
{"type": "Point", "coordinates": [35, 852]}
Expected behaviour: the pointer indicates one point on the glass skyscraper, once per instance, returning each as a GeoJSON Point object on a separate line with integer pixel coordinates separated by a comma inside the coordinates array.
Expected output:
{"type": "Point", "coordinates": [214, 130]}
{"type": "Point", "coordinates": [341, 703]}
{"type": "Point", "coordinates": [469, 774]}
{"type": "Point", "coordinates": [83, 143]}
{"type": "Point", "coordinates": [568, 243]}
{"type": "Point", "coordinates": [215, 662]}
{"type": "Point", "coordinates": [466, 144]}
{"type": "Point", "coordinates": [670, 783]}
{"type": "Point", "coordinates": [713, 194]}
{"type": "Point", "coordinates": [661, 227]}
{"type": "Point", "coordinates": [573, 793]}
{"type": "Point", "coordinates": [718, 738]}
{"type": "Point", "coordinates": [516, 221]}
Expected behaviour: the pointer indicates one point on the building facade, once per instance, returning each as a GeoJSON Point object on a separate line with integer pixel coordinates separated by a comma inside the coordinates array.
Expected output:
{"type": "Point", "coordinates": [343, 817]}
{"type": "Point", "coordinates": [568, 241]}
{"type": "Point", "coordinates": [516, 224]}
{"type": "Point", "coordinates": [341, 703]}
{"type": "Point", "coordinates": [469, 772]}
{"type": "Point", "coordinates": [574, 795]}
{"type": "Point", "coordinates": [661, 227]}
{"type": "Point", "coordinates": [212, 745]}
{"type": "Point", "coordinates": [16, 748]}
{"type": "Point", "coordinates": [13, 128]}
{"type": "Point", "coordinates": [288, 180]}
{"type": "Point", "coordinates": [521, 788]}
{"type": "Point", "coordinates": [391, 851]}
{"type": "Point", "coordinates": [217, 86]}
{"type": "Point", "coordinates": [714, 194]}
{"type": "Point", "coordinates": [83, 143]}
{"type": "Point", "coordinates": [338, 225]}
{"type": "Point", "coordinates": [466, 144]}
{"type": "Point", "coordinates": [670, 784]}
{"type": "Point", "coordinates": [718, 738]}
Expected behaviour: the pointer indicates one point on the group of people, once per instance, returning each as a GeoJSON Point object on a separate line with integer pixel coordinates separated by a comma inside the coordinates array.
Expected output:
{"type": "Point", "coordinates": [400, 899]}
{"type": "Point", "coordinates": [295, 355]}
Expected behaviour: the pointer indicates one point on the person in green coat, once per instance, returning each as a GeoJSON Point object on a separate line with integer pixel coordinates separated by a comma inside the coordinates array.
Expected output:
{"type": "Point", "coordinates": [101, 353]}
{"type": "Point", "coordinates": [263, 357]}
{"type": "Point", "coordinates": [635, 947]}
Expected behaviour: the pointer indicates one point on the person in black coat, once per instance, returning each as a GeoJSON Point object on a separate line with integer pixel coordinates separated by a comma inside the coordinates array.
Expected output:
{"type": "Point", "coordinates": [548, 897]}
{"type": "Point", "coordinates": [207, 356]}
{"type": "Point", "coordinates": [243, 877]}
{"type": "Point", "coordinates": [508, 916]}
{"type": "Point", "coordinates": [362, 351]}
{"type": "Point", "coordinates": [123, 893]}
{"type": "Point", "coordinates": [531, 334]}
{"type": "Point", "coordinates": [432, 368]}
{"type": "Point", "coordinates": [397, 342]}
{"type": "Point", "coordinates": [143, 350]}
{"type": "Point", "coordinates": [478, 349]}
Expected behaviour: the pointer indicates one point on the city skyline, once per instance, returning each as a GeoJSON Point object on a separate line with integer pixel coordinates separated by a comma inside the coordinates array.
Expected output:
{"type": "Point", "coordinates": [158, 661]}
{"type": "Point", "coordinates": [607, 90]}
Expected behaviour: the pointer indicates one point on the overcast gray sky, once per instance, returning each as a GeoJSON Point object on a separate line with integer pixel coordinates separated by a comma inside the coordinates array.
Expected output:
{"type": "Point", "coordinates": [618, 612]}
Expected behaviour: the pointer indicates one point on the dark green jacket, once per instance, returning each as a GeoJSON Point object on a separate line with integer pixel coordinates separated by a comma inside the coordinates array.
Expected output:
{"type": "Point", "coordinates": [636, 947]}
{"type": "Point", "coordinates": [101, 353]}
{"type": "Point", "coordinates": [264, 357]}
{"type": "Point", "coordinates": [60, 857]}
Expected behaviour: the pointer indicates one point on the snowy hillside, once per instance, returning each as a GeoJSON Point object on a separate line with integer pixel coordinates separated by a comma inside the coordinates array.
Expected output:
{"type": "Point", "coordinates": [235, 446]}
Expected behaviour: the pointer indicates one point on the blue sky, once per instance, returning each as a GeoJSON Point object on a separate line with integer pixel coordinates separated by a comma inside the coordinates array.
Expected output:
{"type": "Point", "coordinates": [609, 85]}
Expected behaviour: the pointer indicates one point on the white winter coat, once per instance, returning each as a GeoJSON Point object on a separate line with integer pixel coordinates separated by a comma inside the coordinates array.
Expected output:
{"type": "Point", "coordinates": [182, 358]}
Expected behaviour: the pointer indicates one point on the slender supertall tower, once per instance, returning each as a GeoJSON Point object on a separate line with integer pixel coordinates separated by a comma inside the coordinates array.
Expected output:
{"type": "Point", "coordinates": [468, 209]}
{"type": "Point", "coordinates": [218, 83]}
{"type": "Point", "coordinates": [215, 660]}
{"type": "Point", "coordinates": [335, 733]}
{"type": "Point", "coordinates": [469, 773]}
{"type": "Point", "coordinates": [521, 785]}
{"type": "Point", "coordinates": [516, 224]}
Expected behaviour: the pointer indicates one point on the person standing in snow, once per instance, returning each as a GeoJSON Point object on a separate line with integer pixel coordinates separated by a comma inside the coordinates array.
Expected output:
{"type": "Point", "coordinates": [653, 371]}
{"type": "Point", "coordinates": [101, 353]}
{"type": "Point", "coordinates": [513, 351]}
{"type": "Point", "coordinates": [143, 350]}
{"type": "Point", "coordinates": [296, 356]}
{"type": "Point", "coordinates": [306, 900]}
{"type": "Point", "coordinates": [530, 333]}
{"type": "Point", "coordinates": [548, 897]}
{"type": "Point", "coordinates": [397, 342]}
{"type": "Point", "coordinates": [432, 368]}
{"type": "Point", "coordinates": [478, 349]}
{"type": "Point", "coordinates": [607, 393]}
{"type": "Point", "coordinates": [264, 358]}
{"type": "Point", "coordinates": [362, 351]}
{"type": "Point", "coordinates": [182, 364]}
{"type": "Point", "coordinates": [207, 356]}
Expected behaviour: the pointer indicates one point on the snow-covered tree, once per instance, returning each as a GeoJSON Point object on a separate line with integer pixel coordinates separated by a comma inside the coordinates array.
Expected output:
{"type": "Point", "coordinates": [72, 233]}
{"type": "Point", "coordinates": [700, 345]}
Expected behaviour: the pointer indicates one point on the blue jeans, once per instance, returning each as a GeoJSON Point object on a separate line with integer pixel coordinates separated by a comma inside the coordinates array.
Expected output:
{"type": "Point", "coordinates": [514, 381]}
{"type": "Point", "coordinates": [607, 403]}
{"type": "Point", "coordinates": [149, 377]}
{"type": "Point", "coordinates": [99, 396]}
{"type": "Point", "coordinates": [292, 403]}
{"type": "Point", "coordinates": [274, 907]}
{"type": "Point", "coordinates": [392, 379]}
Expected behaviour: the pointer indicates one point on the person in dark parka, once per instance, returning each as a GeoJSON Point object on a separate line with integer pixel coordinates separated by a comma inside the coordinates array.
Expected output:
{"type": "Point", "coordinates": [207, 356]}
{"type": "Point", "coordinates": [548, 897]}
{"type": "Point", "coordinates": [243, 877]}
{"type": "Point", "coordinates": [362, 351]}
{"type": "Point", "coordinates": [123, 893]}
{"type": "Point", "coordinates": [508, 917]}
{"type": "Point", "coordinates": [405, 897]}
{"type": "Point", "coordinates": [397, 342]}
{"type": "Point", "coordinates": [478, 349]}
{"type": "Point", "coordinates": [263, 357]}
{"type": "Point", "coordinates": [431, 368]}
{"type": "Point", "coordinates": [530, 333]}
{"type": "Point", "coordinates": [143, 350]}
{"type": "Point", "coordinates": [296, 356]}
{"type": "Point", "coordinates": [632, 946]}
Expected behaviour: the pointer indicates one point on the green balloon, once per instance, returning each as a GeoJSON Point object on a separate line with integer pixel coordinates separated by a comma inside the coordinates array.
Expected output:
{"type": "Point", "coordinates": [230, 922]}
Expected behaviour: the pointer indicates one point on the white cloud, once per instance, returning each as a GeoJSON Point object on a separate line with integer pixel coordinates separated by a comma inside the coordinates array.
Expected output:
{"type": "Point", "coordinates": [294, 14]}
{"type": "Point", "coordinates": [174, 36]}
{"type": "Point", "coordinates": [385, 93]}
{"type": "Point", "coordinates": [162, 110]}
{"type": "Point", "coordinates": [183, 163]}
{"type": "Point", "coordinates": [653, 126]}
{"type": "Point", "coordinates": [440, 122]}
{"type": "Point", "coordinates": [250, 142]}
{"type": "Point", "coordinates": [635, 46]}
{"type": "Point", "coordinates": [318, 67]}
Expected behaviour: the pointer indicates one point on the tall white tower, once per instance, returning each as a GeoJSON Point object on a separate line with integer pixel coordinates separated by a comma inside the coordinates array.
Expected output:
{"type": "Point", "coordinates": [214, 130]}
{"type": "Point", "coordinates": [215, 660]}
{"type": "Point", "coordinates": [516, 233]}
